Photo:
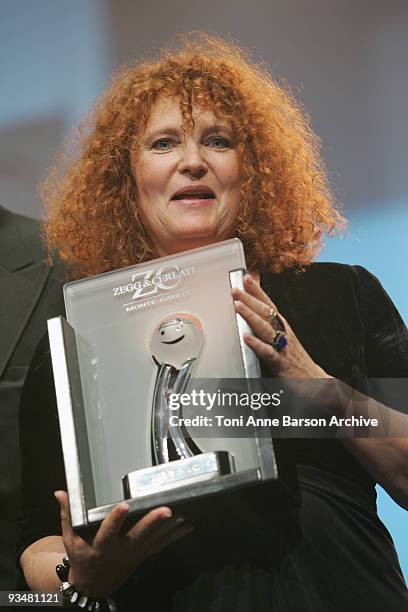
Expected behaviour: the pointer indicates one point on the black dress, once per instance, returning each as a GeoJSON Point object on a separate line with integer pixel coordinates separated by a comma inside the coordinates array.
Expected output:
{"type": "Point", "coordinates": [344, 559]}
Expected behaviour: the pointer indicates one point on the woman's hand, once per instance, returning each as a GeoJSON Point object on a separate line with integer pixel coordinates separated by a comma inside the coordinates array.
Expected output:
{"type": "Point", "coordinates": [256, 308]}
{"type": "Point", "coordinates": [100, 566]}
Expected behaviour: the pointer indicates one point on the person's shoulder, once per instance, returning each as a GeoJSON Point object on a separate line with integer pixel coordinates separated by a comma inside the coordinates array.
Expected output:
{"type": "Point", "coordinates": [345, 275]}
{"type": "Point", "coordinates": [332, 285]}
{"type": "Point", "coordinates": [322, 273]}
{"type": "Point", "coordinates": [330, 269]}
{"type": "Point", "coordinates": [10, 219]}
{"type": "Point", "coordinates": [21, 239]}
{"type": "Point", "coordinates": [23, 252]}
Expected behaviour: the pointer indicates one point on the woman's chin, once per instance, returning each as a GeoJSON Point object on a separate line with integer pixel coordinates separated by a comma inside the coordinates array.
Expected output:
{"type": "Point", "coordinates": [186, 240]}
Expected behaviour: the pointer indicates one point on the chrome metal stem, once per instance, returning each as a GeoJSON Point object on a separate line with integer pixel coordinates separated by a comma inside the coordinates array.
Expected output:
{"type": "Point", "coordinates": [160, 420]}
{"type": "Point", "coordinates": [162, 431]}
{"type": "Point", "coordinates": [181, 445]}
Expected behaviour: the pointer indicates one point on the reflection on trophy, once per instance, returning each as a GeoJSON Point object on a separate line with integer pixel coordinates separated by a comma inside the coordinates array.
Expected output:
{"type": "Point", "coordinates": [175, 346]}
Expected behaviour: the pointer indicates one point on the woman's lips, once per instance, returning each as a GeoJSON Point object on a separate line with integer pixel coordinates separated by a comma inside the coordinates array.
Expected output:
{"type": "Point", "coordinates": [194, 201]}
{"type": "Point", "coordinates": [194, 196]}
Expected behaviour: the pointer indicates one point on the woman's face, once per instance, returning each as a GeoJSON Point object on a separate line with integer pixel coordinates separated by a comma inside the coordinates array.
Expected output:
{"type": "Point", "coordinates": [188, 183]}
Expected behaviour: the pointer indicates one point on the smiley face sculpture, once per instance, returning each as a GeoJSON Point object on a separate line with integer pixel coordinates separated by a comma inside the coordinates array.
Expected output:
{"type": "Point", "coordinates": [176, 340]}
{"type": "Point", "coordinates": [175, 345]}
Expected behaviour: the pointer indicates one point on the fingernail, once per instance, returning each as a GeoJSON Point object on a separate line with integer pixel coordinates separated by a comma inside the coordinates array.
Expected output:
{"type": "Point", "coordinates": [248, 277]}
{"type": "Point", "coordinates": [166, 514]}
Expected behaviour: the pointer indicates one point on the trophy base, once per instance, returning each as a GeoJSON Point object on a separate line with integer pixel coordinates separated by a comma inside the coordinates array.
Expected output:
{"type": "Point", "coordinates": [239, 516]}
{"type": "Point", "coordinates": [180, 473]}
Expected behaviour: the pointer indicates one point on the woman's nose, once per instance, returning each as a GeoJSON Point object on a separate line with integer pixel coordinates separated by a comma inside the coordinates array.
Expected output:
{"type": "Point", "coordinates": [192, 160]}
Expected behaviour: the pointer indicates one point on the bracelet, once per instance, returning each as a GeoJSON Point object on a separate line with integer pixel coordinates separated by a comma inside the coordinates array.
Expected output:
{"type": "Point", "coordinates": [72, 598]}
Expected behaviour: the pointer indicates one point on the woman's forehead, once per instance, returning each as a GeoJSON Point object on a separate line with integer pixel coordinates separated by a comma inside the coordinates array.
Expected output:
{"type": "Point", "coordinates": [166, 112]}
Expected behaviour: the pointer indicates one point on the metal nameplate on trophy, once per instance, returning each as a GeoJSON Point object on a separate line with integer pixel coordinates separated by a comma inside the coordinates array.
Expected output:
{"type": "Point", "coordinates": [133, 337]}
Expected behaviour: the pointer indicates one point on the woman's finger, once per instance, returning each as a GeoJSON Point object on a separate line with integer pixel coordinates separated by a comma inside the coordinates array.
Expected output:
{"type": "Point", "coordinates": [111, 525]}
{"type": "Point", "coordinates": [149, 523]}
{"type": "Point", "coordinates": [262, 309]}
{"type": "Point", "coordinates": [255, 298]}
{"type": "Point", "coordinates": [261, 328]}
{"type": "Point", "coordinates": [147, 540]}
{"type": "Point", "coordinates": [264, 350]}
{"type": "Point", "coordinates": [159, 531]}
{"type": "Point", "coordinates": [172, 536]}
{"type": "Point", "coordinates": [256, 290]}
{"type": "Point", "coordinates": [62, 499]}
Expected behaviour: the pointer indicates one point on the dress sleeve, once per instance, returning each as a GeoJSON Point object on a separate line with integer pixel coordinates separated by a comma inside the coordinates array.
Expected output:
{"type": "Point", "coordinates": [42, 469]}
{"type": "Point", "coordinates": [385, 343]}
{"type": "Point", "coordinates": [386, 336]}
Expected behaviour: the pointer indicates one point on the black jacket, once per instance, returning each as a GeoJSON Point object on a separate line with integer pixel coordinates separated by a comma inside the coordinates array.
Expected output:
{"type": "Point", "coordinates": [30, 294]}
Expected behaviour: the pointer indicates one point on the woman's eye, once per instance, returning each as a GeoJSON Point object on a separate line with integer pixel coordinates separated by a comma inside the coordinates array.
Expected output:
{"type": "Point", "coordinates": [163, 144]}
{"type": "Point", "coordinates": [219, 142]}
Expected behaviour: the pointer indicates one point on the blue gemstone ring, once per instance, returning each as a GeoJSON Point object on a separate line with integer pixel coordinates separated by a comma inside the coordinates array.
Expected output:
{"type": "Point", "coordinates": [279, 341]}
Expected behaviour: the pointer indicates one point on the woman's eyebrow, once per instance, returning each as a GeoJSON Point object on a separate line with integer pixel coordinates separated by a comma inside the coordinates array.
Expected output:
{"type": "Point", "coordinates": [170, 131]}
{"type": "Point", "coordinates": [217, 127]}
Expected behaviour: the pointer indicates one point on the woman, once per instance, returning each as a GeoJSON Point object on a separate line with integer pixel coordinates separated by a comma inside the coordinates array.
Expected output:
{"type": "Point", "coordinates": [195, 148]}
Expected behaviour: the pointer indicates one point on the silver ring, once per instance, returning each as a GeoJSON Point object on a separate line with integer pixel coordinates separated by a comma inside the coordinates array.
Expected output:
{"type": "Point", "coordinates": [276, 321]}
{"type": "Point", "coordinates": [279, 341]}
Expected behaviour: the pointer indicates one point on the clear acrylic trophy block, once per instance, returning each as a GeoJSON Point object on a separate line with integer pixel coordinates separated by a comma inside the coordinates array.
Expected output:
{"type": "Point", "coordinates": [131, 339]}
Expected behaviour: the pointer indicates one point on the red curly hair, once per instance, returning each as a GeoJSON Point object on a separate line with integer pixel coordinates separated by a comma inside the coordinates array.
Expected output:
{"type": "Point", "coordinates": [94, 223]}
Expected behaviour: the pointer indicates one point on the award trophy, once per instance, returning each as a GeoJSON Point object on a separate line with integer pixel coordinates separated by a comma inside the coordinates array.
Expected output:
{"type": "Point", "coordinates": [134, 338]}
